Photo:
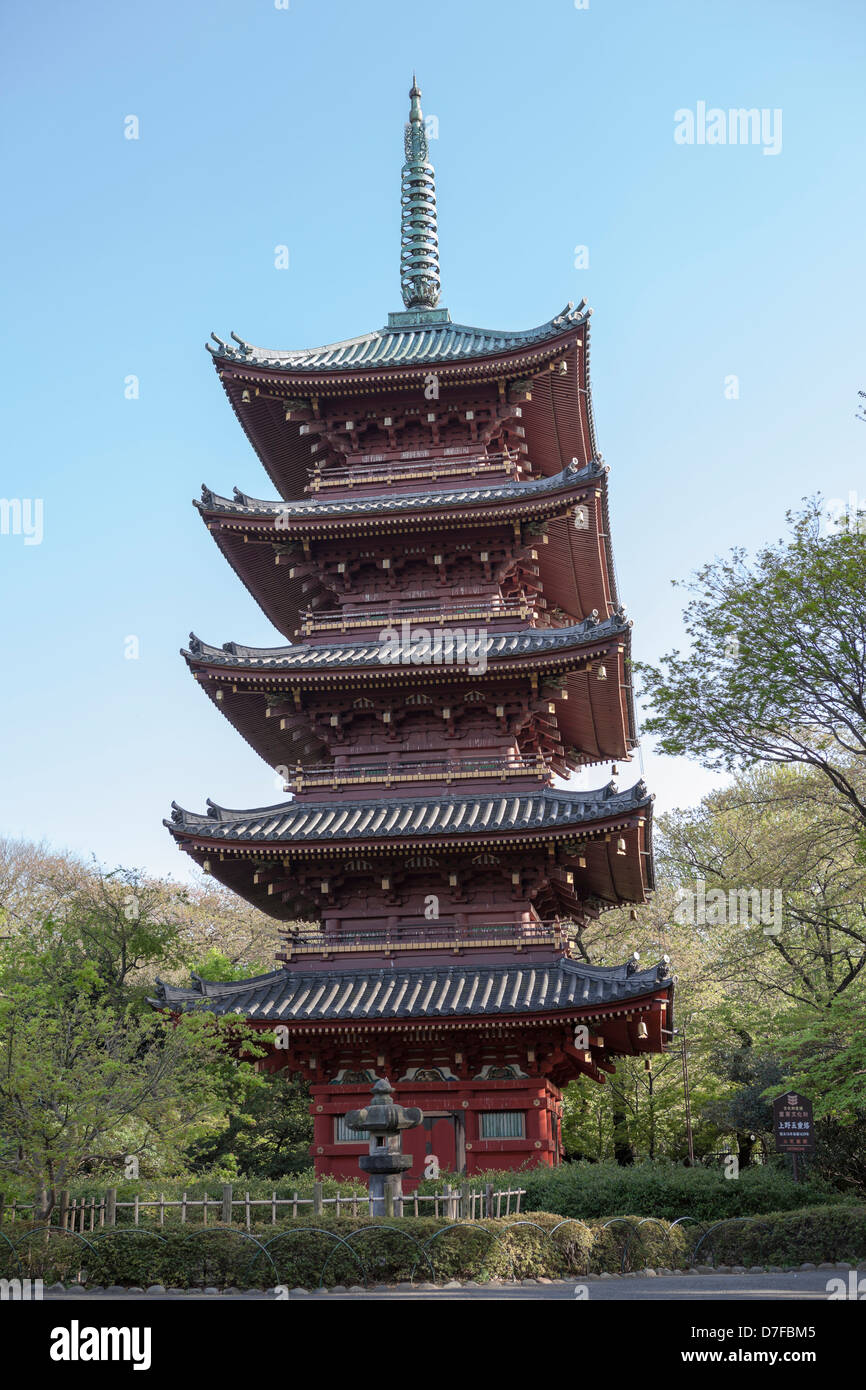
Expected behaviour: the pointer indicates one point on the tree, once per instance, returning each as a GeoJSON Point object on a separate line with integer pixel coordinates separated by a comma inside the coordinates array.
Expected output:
{"type": "Point", "coordinates": [86, 1076]}
{"type": "Point", "coordinates": [83, 1086]}
{"type": "Point", "coordinates": [639, 1113]}
{"type": "Point", "coordinates": [129, 923]}
{"type": "Point", "coordinates": [797, 979]}
{"type": "Point", "coordinates": [777, 667]}
{"type": "Point", "coordinates": [745, 1110]}
{"type": "Point", "coordinates": [267, 1136]}
{"type": "Point", "coordinates": [826, 1056]}
{"type": "Point", "coordinates": [781, 835]}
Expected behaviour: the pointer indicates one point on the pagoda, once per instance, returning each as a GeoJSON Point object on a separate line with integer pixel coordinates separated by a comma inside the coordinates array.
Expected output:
{"type": "Point", "coordinates": [438, 560]}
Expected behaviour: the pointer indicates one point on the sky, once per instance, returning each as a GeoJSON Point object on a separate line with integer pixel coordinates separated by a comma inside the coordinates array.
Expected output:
{"type": "Point", "coordinates": [727, 337]}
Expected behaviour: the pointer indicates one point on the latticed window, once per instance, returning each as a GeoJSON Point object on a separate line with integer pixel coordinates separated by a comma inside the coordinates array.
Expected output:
{"type": "Point", "coordinates": [344, 1135]}
{"type": "Point", "coordinates": [503, 1124]}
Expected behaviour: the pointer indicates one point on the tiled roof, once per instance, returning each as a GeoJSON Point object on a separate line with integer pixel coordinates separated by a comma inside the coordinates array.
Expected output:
{"type": "Point", "coordinates": [338, 655]}
{"type": "Point", "coordinates": [243, 505]}
{"type": "Point", "coordinates": [458, 815]}
{"type": "Point", "coordinates": [409, 340]}
{"type": "Point", "coordinates": [417, 993]}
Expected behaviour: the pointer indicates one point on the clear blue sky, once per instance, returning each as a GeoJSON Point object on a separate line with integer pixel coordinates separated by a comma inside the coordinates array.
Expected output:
{"type": "Point", "coordinates": [261, 126]}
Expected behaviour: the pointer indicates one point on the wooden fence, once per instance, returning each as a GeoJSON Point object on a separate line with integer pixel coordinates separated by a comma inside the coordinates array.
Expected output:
{"type": "Point", "coordinates": [90, 1213]}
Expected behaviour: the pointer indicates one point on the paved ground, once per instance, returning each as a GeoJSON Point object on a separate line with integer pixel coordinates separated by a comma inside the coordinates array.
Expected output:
{"type": "Point", "coordinates": [803, 1285]}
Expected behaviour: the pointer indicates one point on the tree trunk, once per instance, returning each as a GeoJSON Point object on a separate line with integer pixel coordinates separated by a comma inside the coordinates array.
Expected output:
{"type": "Point", "coordinates": [745, 1145]}
{"type": "Point", "coordinates": [622, 1146]}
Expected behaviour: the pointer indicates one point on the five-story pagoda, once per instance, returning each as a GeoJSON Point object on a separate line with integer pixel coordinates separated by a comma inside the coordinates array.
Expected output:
{"type": "Point", "coordinates": [439, 563]}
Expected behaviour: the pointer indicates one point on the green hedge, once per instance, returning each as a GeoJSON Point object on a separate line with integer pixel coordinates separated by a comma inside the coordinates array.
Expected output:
{"type": "Point", "coordinates": [790, 1238]}
{"type": "Point", "coordinates": [313, 1250]}
{"type": "Point", "coordinates": [590, 1190]}
{"type": "Point", "coordinates": [320, 1249]}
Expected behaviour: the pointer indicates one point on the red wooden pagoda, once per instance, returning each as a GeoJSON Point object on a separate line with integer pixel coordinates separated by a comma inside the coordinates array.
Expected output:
{"type": "Point", "coordinates": [439, 563]}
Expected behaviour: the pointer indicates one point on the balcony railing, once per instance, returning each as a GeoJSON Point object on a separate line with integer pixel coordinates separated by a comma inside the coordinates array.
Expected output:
{"type": "Point", "coordinates": [405, 470]}
{"type": "Point", "coordinates": [431, 936]}
{"type": "Point", "coordinates": [435, 770]}
{"type": "Point", "coordinates": [483, 611]}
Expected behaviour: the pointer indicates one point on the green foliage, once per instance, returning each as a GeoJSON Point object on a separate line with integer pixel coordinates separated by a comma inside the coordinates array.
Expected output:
{"type": "Point", "coordinates": [113, 928]}
{"type": "Point", "coordinates": [801, 984]}
{"type": "Point", "coordinates": [826, 1055]}
{"type": "Point", "coordinates": [198, 1184]}
{"type": "Point", "coordinates": [344, 1250]}
{"type": "Point", "coordinates": [792, 1238]}
{"type": "Point", "coordinates": [215, 965]}
{"type": "Point", "coordinates": [268, 1135]}
{"type": "Point", "coordinates": [354, 1250]}
{"type": "Point", "coordinates": [668, 1191]}
{"type": "Point", "coordinates": [840, 1155]}
{"type": "Point", "coordinates": [777, 666]}
{"type": "Point", "coordinates": [84, 1082]}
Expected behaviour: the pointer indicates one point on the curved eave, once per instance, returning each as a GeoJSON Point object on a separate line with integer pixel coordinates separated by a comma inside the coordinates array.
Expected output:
{"type": "Point", "coordinates": [558, 418]}
{"type": "Point", "coordinates": [305, 659]}
{"type": "Point", "coordinates": [594, 716]}
{"type": "Point", "coordinates": [481, 501]}
{"type": "Point", "coordinates": [356, 996]}
{"type": "Point", "coordinates": [420, 339]}
{"type": "Point", "coordinates": [574, 564]}
{"type": "Point", "coordinates": [610, 878]}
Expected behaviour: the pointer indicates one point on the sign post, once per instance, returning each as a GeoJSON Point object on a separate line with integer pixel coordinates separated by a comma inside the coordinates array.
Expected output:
{"type": "Point", "coordinates": [793, 1127]}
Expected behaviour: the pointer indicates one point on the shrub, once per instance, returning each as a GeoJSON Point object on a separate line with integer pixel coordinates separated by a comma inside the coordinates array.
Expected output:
{"type": "Point", "coordinates": [588, 1190]}
{"type": "Point", "coordinates": [345, 1250]}
{"type": "Point", "coordinates": [791, 1238]}
{"type": "Point", "coordinates": [356, 1250]}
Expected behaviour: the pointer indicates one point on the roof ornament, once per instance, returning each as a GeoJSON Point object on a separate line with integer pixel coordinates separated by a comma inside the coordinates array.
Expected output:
{"type": "Point", "coordinates": [419, 237]}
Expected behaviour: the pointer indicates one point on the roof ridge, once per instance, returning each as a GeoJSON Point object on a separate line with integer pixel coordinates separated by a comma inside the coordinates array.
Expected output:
{"type": "Point", "coordinates": [471, 495]}
{"type": "Point", "coordinates": [631, 797]}
{"type": "Point", "coordinates": [459, 340]}
{"type": "Point", "coordinates": [587, 630]}
{"type": "Point", "coordinates": [581, 988]}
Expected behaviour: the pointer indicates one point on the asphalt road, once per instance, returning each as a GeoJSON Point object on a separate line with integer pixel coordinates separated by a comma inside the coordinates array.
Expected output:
{"type": "Point", "coordinates": [794, 1286]}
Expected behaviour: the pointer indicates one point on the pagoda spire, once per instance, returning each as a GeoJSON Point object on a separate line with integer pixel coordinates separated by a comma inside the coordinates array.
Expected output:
{"type": "Point", "coordinates": [419, 241]}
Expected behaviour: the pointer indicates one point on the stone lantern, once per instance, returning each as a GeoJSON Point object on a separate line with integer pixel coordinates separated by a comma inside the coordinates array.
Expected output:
{"type": "Point", "coordinates": [384, 1120]}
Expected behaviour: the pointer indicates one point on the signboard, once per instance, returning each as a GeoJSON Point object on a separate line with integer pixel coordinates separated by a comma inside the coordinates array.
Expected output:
{"type": "Point", "coordinates": [792, 1124]}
